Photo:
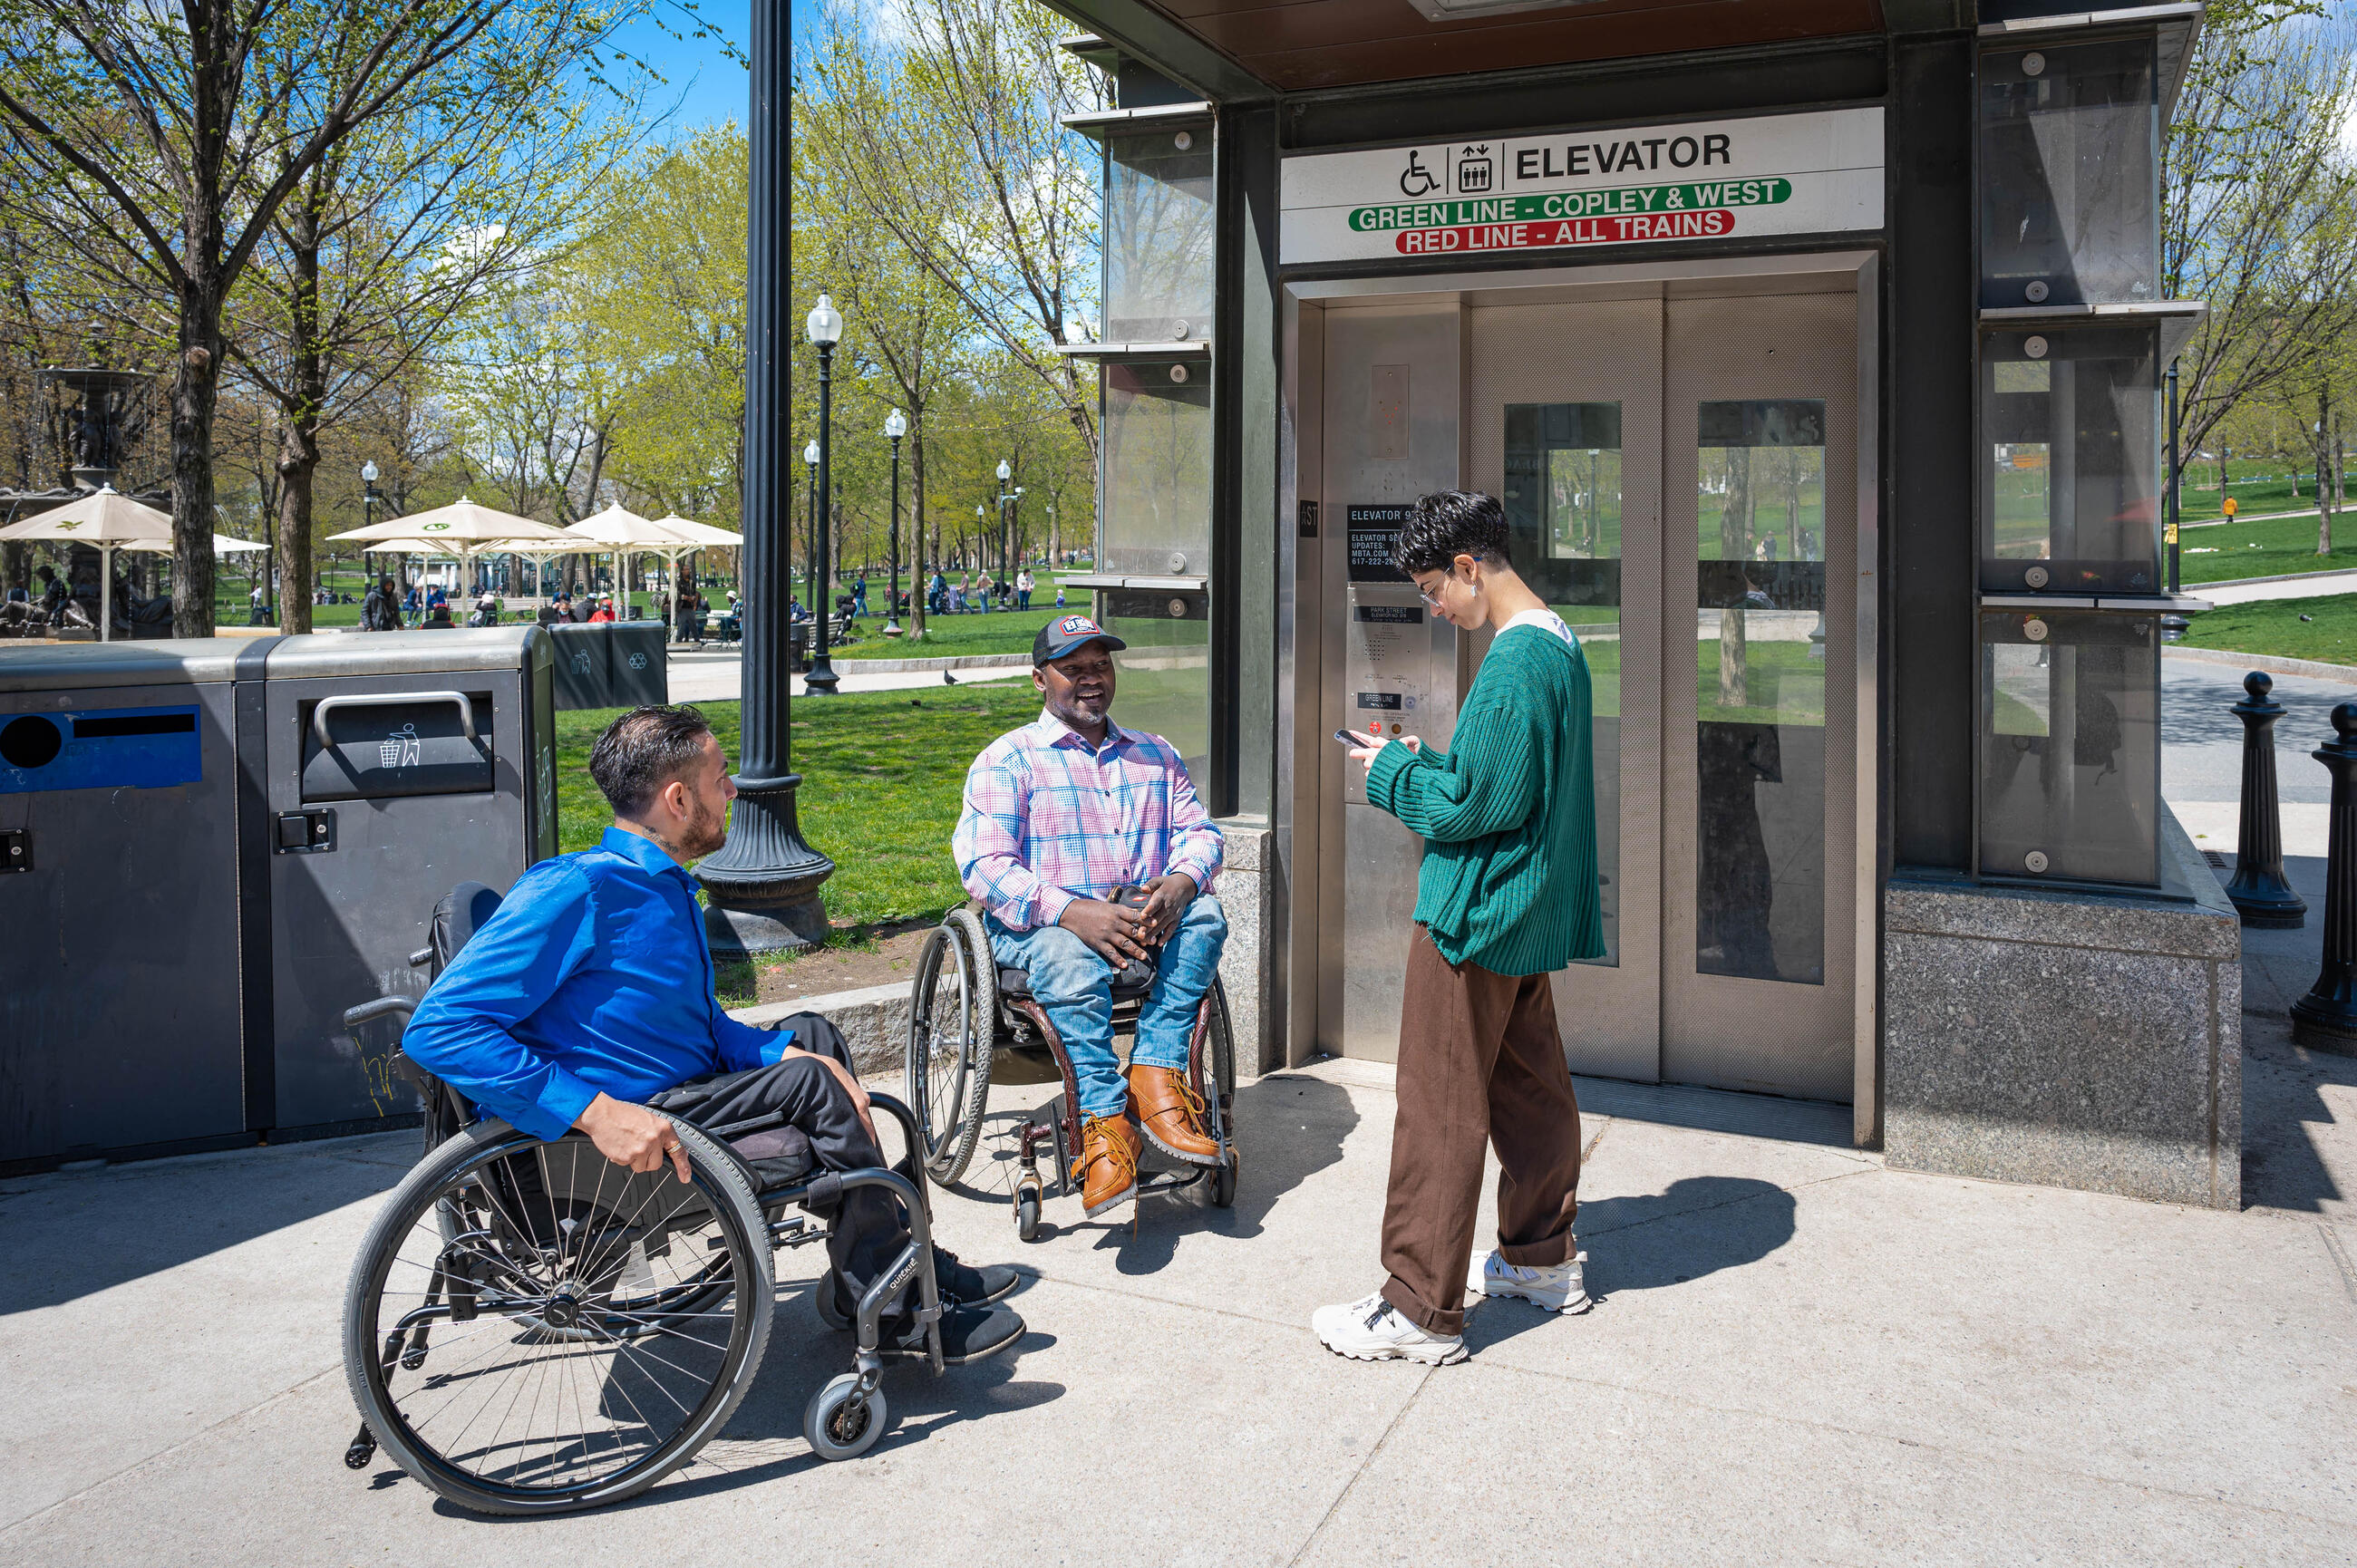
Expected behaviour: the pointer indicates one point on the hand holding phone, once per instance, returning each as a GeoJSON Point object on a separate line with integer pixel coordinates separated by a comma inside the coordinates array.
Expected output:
{"type": "Point", "coordinates": [1355, 741]}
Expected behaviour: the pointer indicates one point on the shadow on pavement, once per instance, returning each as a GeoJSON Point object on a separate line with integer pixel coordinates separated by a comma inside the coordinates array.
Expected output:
{"type": "Point", "coordinates": [90, 1231]}
{"type": "Point", "coordinates": [2286, 1119]}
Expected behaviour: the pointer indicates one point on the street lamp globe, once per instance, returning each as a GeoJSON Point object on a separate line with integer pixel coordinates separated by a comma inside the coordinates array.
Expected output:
{"type": "Point", "coordinates": [368, 473]}
{"type": "Point", "coordinates": [825, 324]}
{"type": "Point", "coordinates": [896, 424]}
{"type": "Point", "coordinates": [1005, 472]}
{"type": "Point", "coordinates": [810, 453]}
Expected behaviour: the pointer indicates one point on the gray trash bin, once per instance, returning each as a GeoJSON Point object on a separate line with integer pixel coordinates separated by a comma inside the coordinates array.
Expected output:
{"type": "Point", "coordinates": [637, 654]}
{"type": "Point", "coordinates": [120, 1019]}
{"type": "Point", "coordinates": [215, 847]}
{"type": "Point", "coordinates": [583, 666]}
{"type": "Point", "coordinates": [399, 765]}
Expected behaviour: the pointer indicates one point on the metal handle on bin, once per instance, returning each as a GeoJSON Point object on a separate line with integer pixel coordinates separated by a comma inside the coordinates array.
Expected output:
{"type": "Point", "coordinates": [327, 704]}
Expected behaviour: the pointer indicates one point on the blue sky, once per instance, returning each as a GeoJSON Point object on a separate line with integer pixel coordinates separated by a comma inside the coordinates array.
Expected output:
{"type": "Point", "coordinates": [708, 86]}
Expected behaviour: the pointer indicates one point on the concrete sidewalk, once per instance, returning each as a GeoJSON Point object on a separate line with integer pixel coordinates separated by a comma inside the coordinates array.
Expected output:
{"type": "Point", "coordinates": [1799, 1357]}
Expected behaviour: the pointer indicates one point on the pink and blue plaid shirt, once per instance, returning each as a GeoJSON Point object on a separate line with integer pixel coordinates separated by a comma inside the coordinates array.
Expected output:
{"type": "Point", "coordinates": [1048, 822]}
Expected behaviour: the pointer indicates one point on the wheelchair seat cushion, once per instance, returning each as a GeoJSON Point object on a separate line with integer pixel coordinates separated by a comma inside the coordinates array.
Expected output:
{"type": "Point", "coordinates": [1130, 981]}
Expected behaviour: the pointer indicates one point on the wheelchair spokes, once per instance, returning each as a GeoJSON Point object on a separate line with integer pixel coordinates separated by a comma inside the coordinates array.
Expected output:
{"type": "Point", "coordinates": [545, 1330]}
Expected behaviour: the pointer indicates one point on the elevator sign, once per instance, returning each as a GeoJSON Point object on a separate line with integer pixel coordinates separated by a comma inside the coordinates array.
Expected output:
{"type": "Point", "coordinates": [1776, 174]}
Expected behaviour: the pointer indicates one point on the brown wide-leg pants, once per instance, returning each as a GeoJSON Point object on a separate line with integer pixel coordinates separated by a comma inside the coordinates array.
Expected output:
{"type": "Point", "coordinates": [1480, 1062]}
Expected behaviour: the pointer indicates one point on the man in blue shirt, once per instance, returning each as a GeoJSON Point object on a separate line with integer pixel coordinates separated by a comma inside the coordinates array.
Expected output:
{"type": "Point", "coordinates": [591, 991]}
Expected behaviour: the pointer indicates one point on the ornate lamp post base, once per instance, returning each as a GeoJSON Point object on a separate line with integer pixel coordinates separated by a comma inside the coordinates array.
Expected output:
{"type": "Point", "coordinates": [764, 881]}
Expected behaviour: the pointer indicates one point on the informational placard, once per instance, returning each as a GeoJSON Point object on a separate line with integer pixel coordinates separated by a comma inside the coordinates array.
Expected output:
{"type": "Point", "coordinates": [1770, 173]}
{"type": "Point", "coordinates": [1373, 531]}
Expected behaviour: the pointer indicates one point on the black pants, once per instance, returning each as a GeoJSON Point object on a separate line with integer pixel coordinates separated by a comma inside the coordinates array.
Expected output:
{"type": "Point", "coordinates": [870, 1227]}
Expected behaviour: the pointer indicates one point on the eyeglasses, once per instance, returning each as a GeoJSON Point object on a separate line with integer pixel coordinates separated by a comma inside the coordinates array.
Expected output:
{"type": "Point", "coordinates": [1428, 595]}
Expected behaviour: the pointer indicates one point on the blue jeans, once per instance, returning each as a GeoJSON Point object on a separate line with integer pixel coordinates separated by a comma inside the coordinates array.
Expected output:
{"type": "Point", "coordinates": [1074, 988]}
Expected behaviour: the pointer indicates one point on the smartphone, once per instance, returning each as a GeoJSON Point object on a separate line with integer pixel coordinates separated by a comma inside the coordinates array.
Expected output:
{"type": "Point", "coordinates": [1353, 741]}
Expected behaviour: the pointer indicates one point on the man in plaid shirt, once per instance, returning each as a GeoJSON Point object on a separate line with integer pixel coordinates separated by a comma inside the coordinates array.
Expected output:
{"type": "Point", "coordinates": [1058, 815]}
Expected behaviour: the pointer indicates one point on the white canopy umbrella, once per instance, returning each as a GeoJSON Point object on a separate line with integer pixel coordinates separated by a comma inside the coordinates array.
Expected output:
{"type": "Point", "coordinates": [626, 532]}
{"type": "Point", "coordinates": [467, 530]}
{"type": "Point", "coordinates": [112, 521]}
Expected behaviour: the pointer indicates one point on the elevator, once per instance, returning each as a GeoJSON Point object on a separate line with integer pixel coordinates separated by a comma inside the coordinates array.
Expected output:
{"type": "Point", "coordinates": [1679, 458]}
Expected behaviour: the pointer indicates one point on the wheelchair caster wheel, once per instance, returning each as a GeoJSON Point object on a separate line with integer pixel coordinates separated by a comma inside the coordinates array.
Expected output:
{"type": "Point", "coordinates": [1220, 1188]}
{"type": "Point", "coordinates": [1026, 1212]}
{"type": "Point", "coordinates": [822, 1298]}
{"type": "Point", "coordinates": [363, 1450]}
{"type": "Point", "coordinates": [840, 1423]}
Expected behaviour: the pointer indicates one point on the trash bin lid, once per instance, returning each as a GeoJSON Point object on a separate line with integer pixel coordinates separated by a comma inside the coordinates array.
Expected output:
{"type": "Point", "coordinates": [521, 646]}
{"type": "Point", "coordinates": [159, 661]}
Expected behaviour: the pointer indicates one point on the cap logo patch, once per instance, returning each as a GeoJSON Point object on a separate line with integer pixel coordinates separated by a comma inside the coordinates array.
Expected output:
{"type": "Point", "coordinates": [1073, 626]}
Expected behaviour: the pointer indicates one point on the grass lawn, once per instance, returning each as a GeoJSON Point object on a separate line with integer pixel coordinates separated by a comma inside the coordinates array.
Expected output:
{"type": "Point", "coordinates": [2231, 549]}
{"type": "Point", "coordinates": [2272, 492]}
{"type": "Point", "coordinates": [882, 776]}
{"type": "Point", "coordinates": [2275, 627]}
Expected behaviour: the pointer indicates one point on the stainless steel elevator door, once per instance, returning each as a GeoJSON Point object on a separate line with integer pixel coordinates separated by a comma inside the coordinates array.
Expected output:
{"type": "Point", "coordinates": [1564, 412]}
{"type": "Point", "coordinates": [1679, 478]}
{"type": "Point", "coordinates": [1759, 728]}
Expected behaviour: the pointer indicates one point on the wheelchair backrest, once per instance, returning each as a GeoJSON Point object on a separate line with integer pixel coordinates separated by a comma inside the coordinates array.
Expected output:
{"type": "Point", "coordinates": [461, 913]}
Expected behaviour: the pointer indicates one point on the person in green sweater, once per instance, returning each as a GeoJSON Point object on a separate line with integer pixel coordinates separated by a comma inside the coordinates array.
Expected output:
{"type": "Point", "coordinates": [1506, 895]}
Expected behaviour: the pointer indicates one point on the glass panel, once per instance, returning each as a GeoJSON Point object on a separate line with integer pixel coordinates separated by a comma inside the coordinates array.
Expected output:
{"type": "Point", "coordinates": [1562, 509]}
{"type": "Point", "coordinates": [1760, 894]}
{"type": "Point", "coordinates": [1165, 677]}
{"type": "Point", "coordinates": [1158, 237]}
{"type": "Point", "coordinates": [1157, 516]}
{"type": "Point", "coordinates": [2068, 180]}
{"type": "Point", "coordinates": [2072, 419]}
{"type": "Point", "coordinates": [2069, 746]}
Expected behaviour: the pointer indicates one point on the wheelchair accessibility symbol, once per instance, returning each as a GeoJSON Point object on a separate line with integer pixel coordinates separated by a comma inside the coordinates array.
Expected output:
{"type": "Point", "coordinates": [1416, 179]}
{"type": "Point", "coordinates": [399, 749]}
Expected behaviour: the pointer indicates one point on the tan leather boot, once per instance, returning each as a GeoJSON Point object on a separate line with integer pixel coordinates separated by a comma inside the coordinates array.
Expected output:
{"type": "Point", "coordinates": [1107, 1167]}
{"type": "Point", "coordinates": [1167, 1107]}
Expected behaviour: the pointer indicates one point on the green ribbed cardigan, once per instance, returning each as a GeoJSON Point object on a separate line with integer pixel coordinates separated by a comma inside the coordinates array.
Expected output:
{"type": "Point", "coordinates": [1508, 814]}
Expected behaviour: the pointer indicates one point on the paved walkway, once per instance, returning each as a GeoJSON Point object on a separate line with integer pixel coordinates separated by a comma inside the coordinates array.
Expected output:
{"type": "Point", "coordinates": [2323, 586]}
{"type": "Point", "coordinates": [1799, 1357]}
{"type": "Point", "coordinates": [2201, 752]}
{"type": "Point", "coordinates": [717, 675]}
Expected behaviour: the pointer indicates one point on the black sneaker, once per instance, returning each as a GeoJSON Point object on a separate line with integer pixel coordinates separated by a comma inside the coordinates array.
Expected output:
{"type": "Point", "coordinates": [968, 1333]}
{"type": "Point", "coordinates": [971, 1286]}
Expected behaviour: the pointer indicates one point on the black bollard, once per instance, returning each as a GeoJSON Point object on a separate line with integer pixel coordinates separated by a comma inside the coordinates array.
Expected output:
{"type": "Point", "coordinates": [2261, 894]}
{"type": "Point", "coordinates": [2326, 1019]}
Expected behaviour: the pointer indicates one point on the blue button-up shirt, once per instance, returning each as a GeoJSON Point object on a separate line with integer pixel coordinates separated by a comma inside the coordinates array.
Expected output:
{"type": "Point", "coordinates": [594, 975]}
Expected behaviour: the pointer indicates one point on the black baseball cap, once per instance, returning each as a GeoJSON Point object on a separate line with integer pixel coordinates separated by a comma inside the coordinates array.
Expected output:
{"type": "Point", "coordinates": [1065, 633]}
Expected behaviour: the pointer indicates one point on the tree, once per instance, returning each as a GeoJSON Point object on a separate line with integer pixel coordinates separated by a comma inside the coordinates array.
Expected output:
{"type": "Point", "coordinates": [395, 230]}
{"type": "Point", "coordinates": [2259, 204]}
{"type": "Point", "coordinates": [954, 141]}
{"type": "Point", "coordinates": [172, 136]}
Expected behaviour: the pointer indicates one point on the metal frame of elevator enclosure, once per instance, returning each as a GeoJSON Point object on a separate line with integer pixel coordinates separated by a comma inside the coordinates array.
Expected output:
{"type": "Point", "coordinates": [1310, 634]}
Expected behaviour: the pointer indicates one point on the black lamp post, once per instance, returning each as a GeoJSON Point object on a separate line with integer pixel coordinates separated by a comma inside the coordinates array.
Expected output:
{"type": "Point", "coordinates": [764, 881]}
{"type": "Point", "coordinates": [1005, 500]}
{"type": "Point", "coordinates": [825, 327]}
{"type": "Point", "coordinates": [896, 425]}
{"type": "Point", "coordinates": [809, 528]}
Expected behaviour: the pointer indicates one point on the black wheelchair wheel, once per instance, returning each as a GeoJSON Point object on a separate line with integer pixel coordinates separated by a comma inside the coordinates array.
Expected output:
{"type": "Point", "coordinates": [1214, 1072]}
{"type": "Point", "coordinates": [529, 1328]}
{"type": "Point", "coordinates": [952, 1024]}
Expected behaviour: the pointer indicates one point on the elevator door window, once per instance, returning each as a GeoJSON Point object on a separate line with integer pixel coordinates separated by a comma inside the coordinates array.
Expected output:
{"type": "Point", "coordinates": [1761, 710]}
{"type": "Point", "coordinates": [1563, 515]}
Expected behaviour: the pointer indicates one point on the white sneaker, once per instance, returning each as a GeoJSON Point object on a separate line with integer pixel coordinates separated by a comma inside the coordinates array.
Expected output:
{"type": "Point", "coordinates": [1557, 1287]}
{"type": "Point", "coordinates": [1373, 1330]}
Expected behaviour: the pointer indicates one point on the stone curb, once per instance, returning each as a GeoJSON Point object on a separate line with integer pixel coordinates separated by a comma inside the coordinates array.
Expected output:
{"type": "Point", "coordinates": [2312, 668]}
{"type": "Point", "coordinates": [874, 1020]}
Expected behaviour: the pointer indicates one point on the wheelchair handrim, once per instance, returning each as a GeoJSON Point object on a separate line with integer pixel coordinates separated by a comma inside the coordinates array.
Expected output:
{"type": "Point", "coordinates": [416, 1453]}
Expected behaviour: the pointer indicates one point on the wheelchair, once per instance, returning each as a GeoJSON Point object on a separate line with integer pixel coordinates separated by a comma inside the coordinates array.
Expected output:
{"type": "Point", "coordinates": [964, 1008]}
{"type": "Point", "coordinates": [529, 1328]}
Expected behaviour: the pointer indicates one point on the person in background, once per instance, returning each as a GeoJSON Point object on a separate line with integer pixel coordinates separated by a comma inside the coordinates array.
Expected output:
{"type": "Point", "coordinates": [438, 618]}
{"type": "Point", "coordinates": [1023, 583]}
{"type": "Point", "coordinates": [1060, 596]}
{"type": "Point", "coordinates": [1506, 895]}
{"type": "Point", "coordinates": [604, 612]}
{"type": "Point", "coordinates": [859, 596]}
{"type": "Point", "coordinates": [380, 611]}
